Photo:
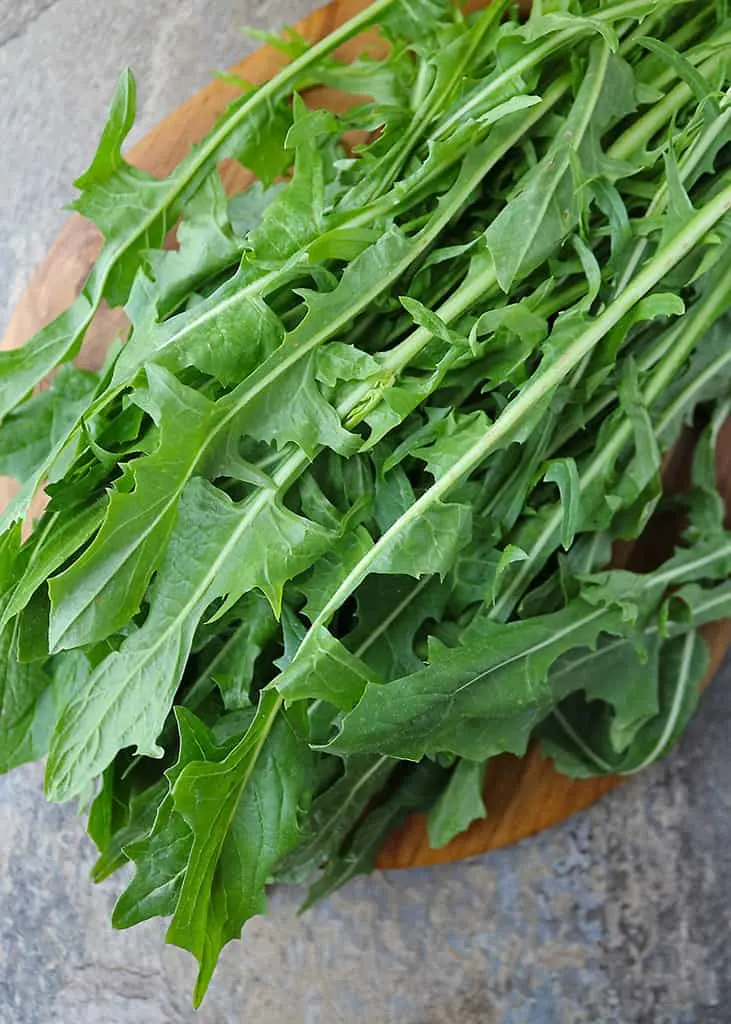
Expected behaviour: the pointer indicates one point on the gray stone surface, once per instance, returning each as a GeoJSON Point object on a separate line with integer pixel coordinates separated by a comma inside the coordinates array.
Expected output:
{"type": "Point", "coordinates": [622, 915]}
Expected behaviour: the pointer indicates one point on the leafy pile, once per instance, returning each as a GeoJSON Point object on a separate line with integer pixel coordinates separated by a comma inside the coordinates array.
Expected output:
{"type": "Point", "coordinates": [334, 526]}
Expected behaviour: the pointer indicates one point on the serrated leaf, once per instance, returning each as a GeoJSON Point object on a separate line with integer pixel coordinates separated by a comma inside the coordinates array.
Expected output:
{"type": "Point", "coordinates": [475, 701]}
{"type": "Point", "coordinates": [244, 813]}
{"type": "Point", "coordinates": [358, 855]}
{"type": "Point", "coordinates": [161, 856]}
{"type": "Point", "coordinates": [103, 589]}
{"type": "Point", "coordinates": [215, 551]}
{"type": "Point", "coordinates": [227, 334]}
{"type": "Point", "coordinates": [544, 213]}
{"type": "Point", "coordinates": [333, 815]}
{"type": "Point", "coordinates": [392, 611]}
{"type": "Point", "coordinates": [326, 670]}
{"type": "Point", "coordinates": [458, 805]}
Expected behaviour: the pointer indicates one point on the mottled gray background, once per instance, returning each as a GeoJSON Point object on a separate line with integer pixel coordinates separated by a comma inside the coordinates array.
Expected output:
{"type": "Point", "coordinates": [622, 915]}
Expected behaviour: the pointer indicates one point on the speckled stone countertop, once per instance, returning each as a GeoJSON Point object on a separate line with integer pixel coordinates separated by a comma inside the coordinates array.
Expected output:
{"type": "Point", "coordinates": [621, 915]}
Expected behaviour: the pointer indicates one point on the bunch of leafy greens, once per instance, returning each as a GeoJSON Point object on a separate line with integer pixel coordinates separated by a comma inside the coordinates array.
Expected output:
{"type": "Point", "coordinates": [334, 526]}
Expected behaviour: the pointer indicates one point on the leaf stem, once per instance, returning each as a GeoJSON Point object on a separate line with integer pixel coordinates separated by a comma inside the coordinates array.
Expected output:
{"type": "Point", "coordinates": [540, 386]}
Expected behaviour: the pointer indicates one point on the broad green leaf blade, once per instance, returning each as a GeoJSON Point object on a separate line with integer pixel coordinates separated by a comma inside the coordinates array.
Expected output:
{"type": "Point", "coordinates": [533, 223]}
{"type": "Point", "coordinates": [244, 813]}
{"type": "Point", "coordinates": [475, 701]}
{"type": "Point", "coordinates": [415, 792]}
{"type": "Point", "coordinates": [103, 589]}
{"type": "Point", "coordinates": [327, 671]}
{"type": "Point", "coordinates": [216, 550]}
{"type": "Point", "coordinates": [333, 815]}
{"type": "Point", "coordinates": [458, 805]}
{"type": "Point", "coordinates": [161, 856]}
{"type": "Point", "coordinates": [136, 211]}
{"type": "Point", "coordinates": [227, 334]}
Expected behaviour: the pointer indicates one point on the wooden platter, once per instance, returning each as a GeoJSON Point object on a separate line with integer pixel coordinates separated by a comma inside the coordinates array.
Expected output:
{"type": "Point", "coordinates": [523, 796]}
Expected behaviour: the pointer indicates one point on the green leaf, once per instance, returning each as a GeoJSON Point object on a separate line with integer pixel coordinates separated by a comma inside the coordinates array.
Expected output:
{"type": "Point", "coordinates": [227, 335]}
{"type": "Point", "coordinates": [565, 475]}
{"type": "Point", "coordinates": [621, 674]}
{"type": "Point", "coordinates": [26, 714]}
{"type": "Point", "coordinates": [475, 701]}
{"type": "Point", "coordinates": [358, 855]}
{"type": "Point", "coordinates": [29, 434]}
{"type": "Point", "coordinates": [457, 435]}
{"type": "Point", "coordinates": [296, 214]}
{"type": "Point", "coordinates": [232, 667]}
{"type": "Point", "coordinates": [113, 839]}
{"type": "Point", "coordinates": [32, 698]}
{"type": "Point", "coordinates": [161, 855]}
{"type": "Point", "coordinates": [103, 589]}
{"type": "Point", "coordinates": [244, 813]}
{"type": "Point", "coordinates": [207, 245]}
{"type": "Point", "coordinates": [215, 551]}
{"type": "Point", "coordinates": [683, 664]}
{"type": "Point", "coordinates": [326, 670]}
{"type": "Point", "coordinates": [333, 815]}
{"type": "Point", "coordinates": [392, 612]}
{"type": "Point", "coordinates": [64, 534]}
{"type": "Point", "coordinates": [545, 212]}
{"type": "Point", "coordinates": [701, 89]}
{"type": "Point", "coordinates": [458, 805]}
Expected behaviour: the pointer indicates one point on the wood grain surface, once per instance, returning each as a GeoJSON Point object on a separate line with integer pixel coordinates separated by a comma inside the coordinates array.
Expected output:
{"type": "Point", "coordinates": [525, 795]}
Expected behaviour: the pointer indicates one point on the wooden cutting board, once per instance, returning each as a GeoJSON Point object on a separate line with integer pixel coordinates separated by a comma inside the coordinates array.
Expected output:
{"type": "Point", "coordinates": [523, 796]}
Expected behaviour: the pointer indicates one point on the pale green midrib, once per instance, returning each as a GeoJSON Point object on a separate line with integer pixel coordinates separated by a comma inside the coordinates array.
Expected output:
{"type": "Point", "coordinates": [229, 410]}
{"type": "Point", "coordinates": [671, 722]}
{"type": "Point", "coordinates": [555, 637]}
{"type": "Point", "coordinates": [656, 750]}
{"type": "Point", "coordinates": [586, 750]}
{"type": "Point", "coordinates": [498, 83]}
{"type": "Point", "coordinates": [686, 166]}
{"type": "Point", "coordinates": [674, 629]}
{"type": "Point", "coordinates": [622, 435]}
{"type": "Point", "coordinates": [663, 579]}
{"type": "Point", "coordinates": [384, 624]}
{"type": "Point", "coordinates": [533, 58]}
{"type": "Point", "coordinates": [352, 793]}
{"type": "Point", "coordinates": [692, 389]}
{"type": "Point", "coordinates": [263, 94]}
{"type": "Point", "coordinates": [643, 130]}
{"type": "Point", "coordinates": [538, 388]}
